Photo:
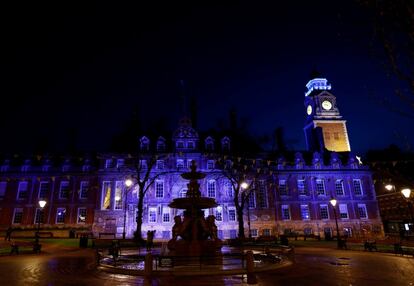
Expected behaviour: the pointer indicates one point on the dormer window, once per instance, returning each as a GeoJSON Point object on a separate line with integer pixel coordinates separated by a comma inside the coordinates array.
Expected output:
{"type": "Point", "coordinates": [225, 144]}
{"type": "Point", "coordinates": [120, 163]}
{"type": "Point", "coordinates": [180, 145]}
{"type": "Point", "coordinates": [209, 144]}
{"type": "Point", "coordinates": [190, 145]}
{"type": "Point", "coordinates": [108, 163]}
{"type": "Point", "coordinates": [144, 144]}
{"type": "Point", "coordinates": [161, 145]}
{"type": "Point", "coordinates": [210, 164]}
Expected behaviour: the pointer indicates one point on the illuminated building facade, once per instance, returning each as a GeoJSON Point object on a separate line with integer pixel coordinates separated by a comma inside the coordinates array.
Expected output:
{"type": "Point", "coordinates": [292, 196]}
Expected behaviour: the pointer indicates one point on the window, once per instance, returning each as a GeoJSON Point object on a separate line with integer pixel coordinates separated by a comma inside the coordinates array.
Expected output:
{"type": "Point", "coordinates": [327, 136]}
{"type": "Point", "coordinates": [82, 215]}
{"type": "Point", "coordinates": [362, 211]}
{"type": "Point", "coordinates": [209, 144]}
{"type": "Point", "coordinates": [183, 193]}
{"type": "Point", "coordinates": [86, 168]}
{"type": "Point", "coordinates": [320, 187]}
{"type": "Point", "coordinates": [229, 189]}
{"type": "Point", "coordinates": [106, 195]}
{"type": "Point", "coordinates": [180, 163]}
{"type": "Point", "coordinates": [266, 232]}
{"type": "Point", "coordinates": [262, 194]}
{"type": "Point", "coordinates": [282, 188]}
{"type": "Point", "coordinates": [120, 163]}
{"type": "Point", "coordinates": [143, 164]}
{"type": "Point", "coordinates": [225, 144]}
{"type": "Point", "coordinates": [84, 189]}
{"type": "Point", "coordinates": [357, 187]}
{"type": "Point", "coordinates": [211, 189]}
{"type": "Point", "coordinates": [166, 214]}
{"type": "Point", "coordinates": [45, 168]}
{"type": "Point", "coordinates": [3, 186]}
{"type": "Point", "coordinates": [152, 214]}
{"type": "Point", "coordinates": [302, 188]}
{"type": "Point", "coordinates": [160, 165]}
{"type": "Point", "coordinates": [39, 215]}
{"type": "Point", "coordinates": [339, 187]}
{"type": "Point", "coordinates": [108, 163]}
{"type": "Point", "coordinates": [18, 215]}
{"type": "Point", "coordinates": [285, 212]}
{"type": "Point", "coordinates": [64, 190]}
{"type": "Point", "coordinates": [159, 189]}
{"type": "Point", "coordinates": [233, 233]}
{"type": "Point", "coordinates": [324, 211]}
{"type": "Point", "coordinates": [180, 145]}
{"type": "Point", "coordinates": [60, 215]}
{"type": "Point", "coordinates": [210, 164]}
{"type": "Point", "coordinates": [307, 231]}
{"type": "Point", "coordinates": [304, 211]}
{"type": "Point", "coordinates": [343, 211]}
{"type": "Point", "coordinates": [22, 192]}
{"type": "Point", "coordinates": [218, 213]}
{"type": "Point", "coordinates": [190, 145]}
{"type": "Point", "coordinates": [251, 200]}
{"type": "Point", "coordinates": [232, 214]}
{"type": "Point", "coordinates": [254, 232]}
{"type": "Point", "coordinates": [160, 145]}
{"type": "Point", "coordinates": [43, 190]}
{"type": "Point", "coordinates": [144, 144]}
{"type": "Point", "coordinates": [336, 135]}
{"type": "Point", "coordinates": [118, 195]}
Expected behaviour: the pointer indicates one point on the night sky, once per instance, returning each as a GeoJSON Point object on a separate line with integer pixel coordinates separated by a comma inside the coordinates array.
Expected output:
{"type": "Point", "coordinates": [85, 69]}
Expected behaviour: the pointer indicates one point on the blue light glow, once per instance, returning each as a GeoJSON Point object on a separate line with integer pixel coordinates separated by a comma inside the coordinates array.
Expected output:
{"type": "Point", "coordinates": [317, 84]}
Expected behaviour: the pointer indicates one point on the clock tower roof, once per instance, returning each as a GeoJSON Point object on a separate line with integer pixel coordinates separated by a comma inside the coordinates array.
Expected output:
{"type": "Point", "coordinates": [316, 85]}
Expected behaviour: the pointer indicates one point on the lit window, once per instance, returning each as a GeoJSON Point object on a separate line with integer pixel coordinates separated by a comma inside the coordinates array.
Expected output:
{"type": "Point", "coordinates": [22, 192]}
{"type": "Point", "coordinates": [160, 164]}
{"type": "Point", "coordinates": [283, 188]}
{"type": "Point", "coordinates": [120, 163]}
{"type": "Point", "coordinates": [232, 214]}
{"type": "Point", "coordinates": [84, 189]}
{"type": "Point", "coordinates": [108, 163]}
{"type": "Point", "coordinates": [324, 212]}
{"type": "Point", "coordinates": [254, 233]}
{"type": "Point", "coordinates": [180, 163]}
{"type": "Point", "coordinates": [43, 190]}
{"type": "Point", "coordinates": [302, 188]}
{"type": "Point", "coordinates": [106, 195]}
{"type": "Point", "coordinates": [343, 211]}
{"type": "Point", "coordinates": [211, 188]}
{"type": "Point", "coordinates": [18, 216]}
{"type": "Point", "coordinates": [229, 189]}
{"type": "Point", "coordinates": [118, 195]}
{"type": "Point", "coordinates": [60, 215]}
{"type": "Point", "coordinates": [166, 214]}
{"type": "Point", "coordinates": [320, 187]}
{"type": "Point", "coordinates": [81, 215]}
{"type": "Point", "coordinates": [262, 194]}
{"type": "Point", "coordinates": [357, 187]}
{"type": "Point", "coordinates": [285, 212]}
{"type": "Point", "coordinates": [152, 215]}
{"type": "Point", "coordinates": [362, 211]}
{"type": "Point", "coordinates": [304, 210]}
{"type": "Point", "coordinates": [251, 200]}
{"type": "Point", "coordinates": [64, 190]}
{"type": "Point", "coordinates": [218, 213]}
{"type": "Point", "coordinates": [183, 193]}
{"type": "Point", "coordinates": [159, 189]}
{"type": "Point", "coordinates": [339, 187]}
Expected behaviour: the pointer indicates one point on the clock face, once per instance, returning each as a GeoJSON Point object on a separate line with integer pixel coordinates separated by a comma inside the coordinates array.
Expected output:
{"type": "Point", "coordinates": [326, 104]}
{"type": "Point", "coordinates": [309, 110]}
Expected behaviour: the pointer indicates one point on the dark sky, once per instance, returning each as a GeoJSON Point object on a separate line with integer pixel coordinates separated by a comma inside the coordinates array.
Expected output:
{"type": "Point", "coordinates": [87, 67]}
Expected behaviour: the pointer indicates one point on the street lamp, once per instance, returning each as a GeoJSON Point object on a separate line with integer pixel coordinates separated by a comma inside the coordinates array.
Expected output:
{"type": "Point", "coordinates": [42, 204]}
{"type": "Point", "coordinates": [333, 203]}
{"type": "Point", "coordinates": [389, 187]}
{"type": "Point", "coordinates": [128, 184]}
{"type": "Point", "coordinates": [244, 186]}
{"type": "Point", "coordinates": [407, 193]}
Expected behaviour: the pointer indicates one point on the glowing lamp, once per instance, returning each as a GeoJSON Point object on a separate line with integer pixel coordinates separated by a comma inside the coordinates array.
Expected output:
{"type": "Point", "coordinates": [333, 202]}
{"type": "Point", "coordinates": [128, 182]}
{"type": "Point", "coordinates": [244, 185]}
{"type": "Point", "coordinates": [406, 193]}
{"type": "Point", "coordinates": [389, 187]}
{"type": "Point", "coordinates": [42, 204]}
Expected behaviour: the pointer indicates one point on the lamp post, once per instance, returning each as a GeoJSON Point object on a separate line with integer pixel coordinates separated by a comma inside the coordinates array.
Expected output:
{"type": "Point", "coordinates": [407, 193]}
{"type": "Point", "coordinates": [244, 186]}
{"type": "Point", "coordinates": [333, 203]}
{"type": "Point", "coordinates": [42, 204]}
{"type": "Point", "coordinates": [128, 184]}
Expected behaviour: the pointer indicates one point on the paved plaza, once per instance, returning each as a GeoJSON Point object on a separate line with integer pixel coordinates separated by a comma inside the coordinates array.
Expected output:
{"type": "Point", "coordinates": [314, 266]}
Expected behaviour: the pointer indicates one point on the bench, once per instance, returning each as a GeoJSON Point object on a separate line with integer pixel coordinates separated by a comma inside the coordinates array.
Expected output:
{"type": "Point", "coordinates": [16, 244]}
{"type": "Point", "coordinates": [370, 245]}
{"type": "Point", "coordinates": [107, 234]}
{"type": "Point", "coordinates": [405, 247]}
{"type": "Point", "coordinates": [48, 234]}
{"type": "Point", "coordinates": [84, 233]}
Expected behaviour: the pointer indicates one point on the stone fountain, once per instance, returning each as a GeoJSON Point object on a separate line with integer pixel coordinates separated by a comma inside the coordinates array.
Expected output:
{"type": "Point", "coordinates": [194, 235]}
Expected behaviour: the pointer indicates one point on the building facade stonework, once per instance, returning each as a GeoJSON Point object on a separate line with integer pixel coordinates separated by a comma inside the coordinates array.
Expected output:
{"type": "Point", "coordinates": [291, 196]}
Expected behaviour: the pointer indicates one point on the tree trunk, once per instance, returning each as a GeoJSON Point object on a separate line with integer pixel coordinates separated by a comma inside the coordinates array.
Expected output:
{"type": "Point", "coordinates": [140, 213]}
{"type": "Point", "coordinates": [241, 222]}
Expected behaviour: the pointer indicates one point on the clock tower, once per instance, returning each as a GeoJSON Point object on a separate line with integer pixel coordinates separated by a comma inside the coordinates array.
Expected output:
{"type": "Point", "coordinates": [324, 127]}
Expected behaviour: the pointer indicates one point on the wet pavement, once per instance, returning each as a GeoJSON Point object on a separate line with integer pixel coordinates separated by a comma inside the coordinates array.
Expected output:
{"type": "Point", "coordinates": [314, 266]}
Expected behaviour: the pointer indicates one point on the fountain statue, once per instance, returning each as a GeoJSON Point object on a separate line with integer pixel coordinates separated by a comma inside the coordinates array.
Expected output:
{"type": "Point", "coordinates": [194, 235]}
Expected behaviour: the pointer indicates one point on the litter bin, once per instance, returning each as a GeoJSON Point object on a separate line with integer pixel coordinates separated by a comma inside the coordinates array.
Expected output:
{"type": "Point", "coordinates": [83, 241]}
{"type": "Point", "coordinates": [71, 233]}
{"type": "Point", "coordinates": [284, 240]}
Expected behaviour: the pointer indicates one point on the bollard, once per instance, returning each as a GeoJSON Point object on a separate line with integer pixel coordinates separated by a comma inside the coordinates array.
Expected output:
{"type": "Point", "coordinates": [148, 265]}
{"type": "Point", "coordinates": [251, 277]}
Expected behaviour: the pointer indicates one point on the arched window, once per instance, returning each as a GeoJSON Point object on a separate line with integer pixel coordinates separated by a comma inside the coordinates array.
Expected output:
{"type": "Point", "coordinates": [144, 143]}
